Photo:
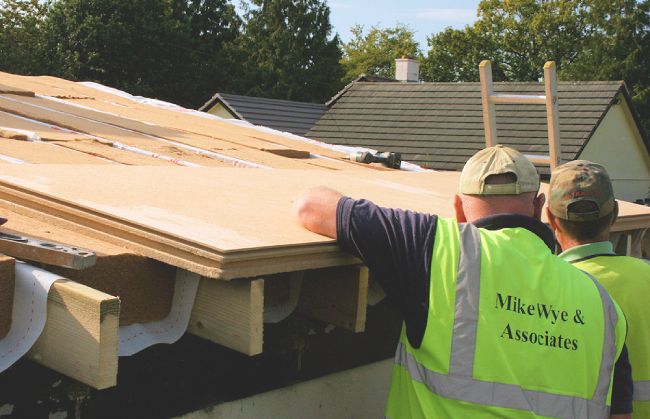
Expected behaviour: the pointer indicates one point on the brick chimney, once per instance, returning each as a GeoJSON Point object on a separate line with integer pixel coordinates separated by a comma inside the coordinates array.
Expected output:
{"type": "Point", "coordinates": [407, 69]}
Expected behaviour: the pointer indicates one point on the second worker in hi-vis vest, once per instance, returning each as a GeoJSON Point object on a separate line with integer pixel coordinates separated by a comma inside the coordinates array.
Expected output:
{"type": "Point", "coordinates": [495, 325]}
{"type": "Point", "coordinates": [581, 211]}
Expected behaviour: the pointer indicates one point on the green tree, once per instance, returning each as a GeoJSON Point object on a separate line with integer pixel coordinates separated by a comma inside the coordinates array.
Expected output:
{"type": "Point", "coordinates": [288, 52]}
{"type": "Point", "coordinates": [454, 56]}
{"type": "Point", "coordinates": [588, 40]}
{"type": "Point", "coordinates": [21, 36]}
{"type": "Point", "coordinates": [519, 36]}
{"type": "Point", "coordinates": [213, 34]}
{"type": "Point", "coordinates": [374, 53]}
{"type": "Point", "coordinates": [617, 48]}
{"type": "Point", "coordinates": [170, 49]}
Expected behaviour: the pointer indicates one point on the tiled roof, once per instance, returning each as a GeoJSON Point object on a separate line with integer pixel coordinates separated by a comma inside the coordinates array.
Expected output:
{"type": "Point", "coordinates": [284, 115]}
{"type": "Point", "coordinates": [440, 125]}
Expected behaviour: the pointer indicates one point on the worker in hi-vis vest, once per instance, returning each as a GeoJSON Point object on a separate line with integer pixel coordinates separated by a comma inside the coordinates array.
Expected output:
{"type": "Point", "coordinates": [581, 210]}
{"type": "Point", "coordinates": [495, 325]}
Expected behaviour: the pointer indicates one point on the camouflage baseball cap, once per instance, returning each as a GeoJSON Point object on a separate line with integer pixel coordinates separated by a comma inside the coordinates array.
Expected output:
{"type": "Point", "coordinates": [580, 181]}
{"type": "Point", "coordinates": [498, 160]}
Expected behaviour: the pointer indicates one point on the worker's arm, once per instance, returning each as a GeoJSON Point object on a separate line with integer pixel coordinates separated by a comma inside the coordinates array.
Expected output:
{"type": "Point", "coordinates": [396, 246]}
{"type": "Point", "coordinates": [315, 210]}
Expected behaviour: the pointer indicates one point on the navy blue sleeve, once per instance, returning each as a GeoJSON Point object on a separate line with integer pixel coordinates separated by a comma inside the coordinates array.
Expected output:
{"type": "Point", "coordinates": [396, 246]}
{"type": "Point", "coordinates": [622, 387]}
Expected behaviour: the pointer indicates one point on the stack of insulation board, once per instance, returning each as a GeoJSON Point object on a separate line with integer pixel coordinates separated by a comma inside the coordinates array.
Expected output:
{"type": "Point", "coordinates": [153, 188]}
{"type": "Point", "coordinates": [222, 223]}
{"type": "Point", "coordinates": [45, 120]}
{"type": "Point", "coordinates": [54, 121]}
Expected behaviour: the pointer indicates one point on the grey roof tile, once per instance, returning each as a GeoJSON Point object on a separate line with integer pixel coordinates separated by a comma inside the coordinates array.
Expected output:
{"type": "Point", "coordinates": [439, 125]}
{"type": "Point", "coordinates": [284, 115]}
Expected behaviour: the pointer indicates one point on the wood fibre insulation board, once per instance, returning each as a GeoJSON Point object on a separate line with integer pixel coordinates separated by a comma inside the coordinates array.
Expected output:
{"type": "Point", "coordinates": [88, 109]}
{"type": "Point", "coordinates": [67, 116]}
{"type": "Point", "coordinates": [185, 121]}
{"type": "Point", "coordinates": [107, 153]}
{"type": "Point", "coordinates": [37, 110]}
{"type": "Point", "coordinates": [220, 223]}
{"type": "Point", "coordinates": [7, 277]}
{"type": "Point", "coordinates": [144, 286]}
{"type": "Point", "coordinates": [46, 133]}
{"type": "Point", "coordinates": [222, 130]}
{"type": "Point", "coordinates": [208, 220]}
{"type": "Point", "coordinates": [106, 102]}
{"type": "Point", "coordinates": [45, 85]}
{"type": "Point", "coordinates": [41, 152]}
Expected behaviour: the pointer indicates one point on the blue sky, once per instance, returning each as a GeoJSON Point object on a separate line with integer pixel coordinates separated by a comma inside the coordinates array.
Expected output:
{"type": "Point", "coordinates": [422, 16]}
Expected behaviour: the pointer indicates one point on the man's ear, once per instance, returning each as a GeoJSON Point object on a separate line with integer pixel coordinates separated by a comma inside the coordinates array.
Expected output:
{"type": "Point", "coordinates": [458, 208]}
{"type": "Point", "coordinates": [538, 204]}
{"type": "Point", "coordinates": [615, 217]}
{"type": "Point", "coordinates": [551, 219]}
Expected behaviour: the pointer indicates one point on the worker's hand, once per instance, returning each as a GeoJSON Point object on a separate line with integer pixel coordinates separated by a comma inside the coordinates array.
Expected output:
{"type": "Point", "coordinates": [315, 209]}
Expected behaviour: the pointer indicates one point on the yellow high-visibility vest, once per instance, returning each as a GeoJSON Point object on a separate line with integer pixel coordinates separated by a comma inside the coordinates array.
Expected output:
{"type": "Point", "coordinates": [627, 280]}
{"type": "Point", "coordinates": [512, 331]}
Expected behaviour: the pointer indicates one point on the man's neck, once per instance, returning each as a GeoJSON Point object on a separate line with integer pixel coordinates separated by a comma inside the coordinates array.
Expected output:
{"type": "Point", "coordinates": [509, 220]}
{"type": "Point", "coordinates": [588, 251]}
{"type": "Point", "coordinates": [567, 243]}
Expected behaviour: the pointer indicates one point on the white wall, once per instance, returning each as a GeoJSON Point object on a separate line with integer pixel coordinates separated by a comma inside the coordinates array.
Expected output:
{"type": "Point", "coordinates": [617, 145]}
{"type": "Point", "coordinates": [357, 393]}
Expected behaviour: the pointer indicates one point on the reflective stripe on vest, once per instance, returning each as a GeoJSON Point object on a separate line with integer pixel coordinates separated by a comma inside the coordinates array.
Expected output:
{"type": "Point", "coordinates": [642, 391]}
{"type": "Point", "coordinates": [459, 383]}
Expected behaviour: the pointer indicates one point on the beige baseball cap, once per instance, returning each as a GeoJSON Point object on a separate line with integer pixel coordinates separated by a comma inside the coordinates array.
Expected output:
{"type": "Point", "coordinates": [498, 160]}
{"type": "Point", "coordinates": [580, 181]}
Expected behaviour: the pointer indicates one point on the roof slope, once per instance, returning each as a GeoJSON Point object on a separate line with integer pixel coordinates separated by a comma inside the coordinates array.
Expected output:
{"type": "Point", "coordinates": [440, 125]}
{"type": "Point", "coordinates": [283, 115]}
{"type": "Point", "coordinates": [86, 123]}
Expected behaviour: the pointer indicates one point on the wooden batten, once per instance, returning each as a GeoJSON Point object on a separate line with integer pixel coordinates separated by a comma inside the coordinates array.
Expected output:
{"type": "Point", "coordinates": [11, 90]}
{"type": "Point", "coordinates": [230, 314]}
{"type": "Point", "coordinates": [80, 338]}
{"type": "Point", "coordinates": [336, 295]}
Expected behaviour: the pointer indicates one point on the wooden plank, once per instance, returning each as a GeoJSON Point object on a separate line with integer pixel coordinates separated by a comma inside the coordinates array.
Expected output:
{"type": "Point", "coordinates": [80, 337]}
{"type": "Point", "coordinates": [336, 295]}
{"type": "Point", "coordinates": [287, 152]}
{"type": "Point", "coordinates": [230, 314]}
{"type": "Point", "coordinates": [14, 91]}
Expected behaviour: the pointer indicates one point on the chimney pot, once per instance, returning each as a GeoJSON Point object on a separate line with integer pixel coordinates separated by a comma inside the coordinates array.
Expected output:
{"type": "Point", "coordinates": [407, 69]}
